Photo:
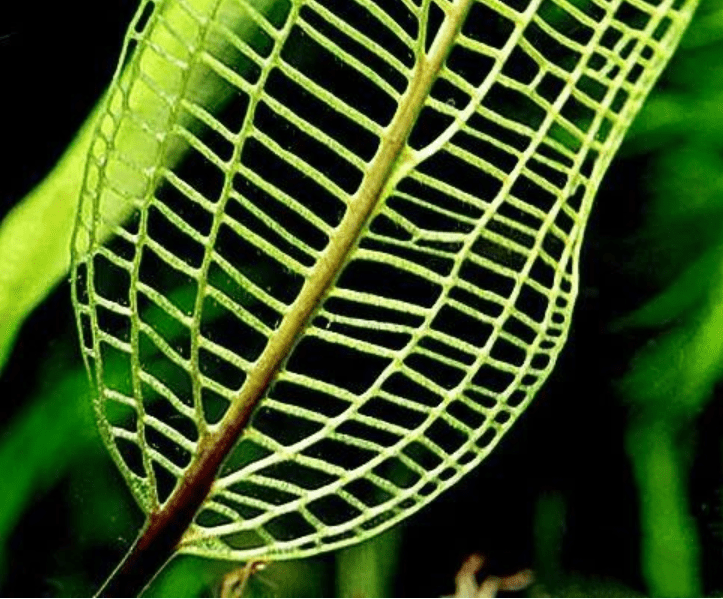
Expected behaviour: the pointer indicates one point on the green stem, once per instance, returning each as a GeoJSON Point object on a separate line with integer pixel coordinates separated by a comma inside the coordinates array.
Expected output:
{"type": "Point", "coordinates": [367, 569]}
{"type": "Point", "coordinates": [669, 541]}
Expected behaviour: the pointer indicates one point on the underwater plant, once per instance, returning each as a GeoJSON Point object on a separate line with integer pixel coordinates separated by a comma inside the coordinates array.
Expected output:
{"type": "Point", "coordinates": [344, 251]}
{"type": "Point", "coordinates": [327, 252]}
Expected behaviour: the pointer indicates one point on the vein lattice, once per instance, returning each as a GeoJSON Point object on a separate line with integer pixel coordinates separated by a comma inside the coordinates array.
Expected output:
{"type": "Point", "coordinates": [360, 219]}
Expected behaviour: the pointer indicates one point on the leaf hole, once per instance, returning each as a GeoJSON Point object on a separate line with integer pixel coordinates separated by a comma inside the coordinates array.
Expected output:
{"type": "Point", "coordinates": [425, 259]}
{"type": "Point", "coordinates": [341, 454]}
{"type": "Point", "coordinates": [580, 115]}
{"type": "Point", "coordinates": [478, 304]}
{"type": "Point", "coordinates": [186, 208]}
{"type": "Point", "coordinates": [499, 252]}
{"type": "Point", "coordinates": [435, 19]}
{"type": "Point", "coordinates": [333, 510]}
{"type": "Point", "coordinates": [515, 327]}
{"type": "Point", "coordinates": [487, 438]}
{"type": "Point", "coordinates": [532, 303]}
{"type": "Point", "coordinates": [487, 400]}
{"type": "Point", "coordinates": [213, 137]}
{"type": "Point", "coordinates": [508, 352]}
{"type": "Point", "coordinates": [404, 386]}
{"type": "Point", "coordinates": [283, 428]}
{"type": "Point", "coordinates": [422, 455]}
{"type": "Point", "coordinates": [131, 455]}
{"type": "Point", "coordinates": [465, 177]}
{"type": "Point", "coordinates": [378, 520]}
{"type": "Point", "coordinates": [161, 408]}
{"type": "Point", "coordinates": [308, 149]}
{"type": "Point", "coordinates": [392, 413]}
{"type": "Point", "coordinates": [565, 23]}
{"type": "Point", "coordinates": [397, 473]}
{"type": "Point", "coordinates": [425, 216]}
{"type": "Point", "coordinates": [516, 399]}
{"type": "Point", "coordinates": [269, 495]}
{"type": "Point", "coordinates": [112, 323]}
{"type": "Point", "coordinates": [172, 331]}
{"type": "Point", "coordinates": [632, 16]}
{"type": "Point", "coordinates": [214, 405]}
{"type": "Point", "coordinates": [445, 436]}
{"type": "Point", "coordinates": [442, 374]}
{"type": "Point", "coordinates": [521, 218]}
{"type": "Point", "coordinates": [446, 92]}
{"type": "Point", "coordinates": [553, 245]}
{"type": "Point", "coordinates": [486, 279]}
{"type": "Point", "coordinates": [446, 350]}
{"type": "Point", "coordinates": [429, 126]}
{"type": "Point", "coordinates": [167, 448]}
{"type": "Point", "coordinates": [167, 280]}
{"type": "Point", "coordinates": [243, 454]}
{"type": "Point", "coordinates": [495, 380]}
{"type": "Point", "coordinates": [552, 49]}
{"type": "Point", "coordinates": [505, 136]}
{"type": "Point", "coordinates": [289, 527]}
{"type": "Point", "coordinates": [246, 512]}
{"type": "Point", "coordinates": [142, 20]}
{"type": "Point", "coordinates": [166, 371]}
{"type": "Point", "coordinates": [198, 172]}
{"type": "Point", "coordinates": [164, 232]}
{"type": "Point", "coordinates": [487, 26]}
{"type": "Point", "coordinates": [340, 365]}
{"type": "Point", "coordinates": [367, 492]}
{"type": "Point", "coordinates": [118, 369]}
{"type": "Point", "coordinates": [526, 190]}
{"type": "Point", "coordinates": [337, 538]}
{"type": "Point", "coordinates": [121, 247]}
{"type": "Point", "coordinates": [447, 474]}
{"type": "Point", "coordinates": [228, 330]}
{"type": "Point", "coordinates": [428, 489]}
{"type": "Point", "coordinates": [263, 270]}
{"type": "Point", "coordinates": [299, 475]}
{"type": "Point", "coordinates": [490, 151]}
{"type": "Point", "coordinates": [513, 105]}
{"type": "Point", "coordinates": [244, 540]}
{"type": "Point", "coordinates": [165, 481]}
{"type": "Point", "coordinates": [502, 417]}
{"type": "Point", "coordinates": [387, 227]}
{"type": "Point", "coordinates": [540, 361]}
{"type": "Point", "coordinates": [110, 280]}
{"type": "Point", "coordinates": [365, 432]}
{"type": "Point", "coordinates": [310, 399]}
{"type": "Point", "coordinates": [385, 280]}
{"type": "Point", "coordinates": [209, 518]}
{"type": "Point", "coordinates": [121, 415]}
{"type": "Point", "coordinates": [465, 414]}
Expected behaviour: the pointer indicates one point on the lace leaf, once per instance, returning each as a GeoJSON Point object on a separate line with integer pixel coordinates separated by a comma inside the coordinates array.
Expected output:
{"type": "Point", "coordinates": [351, 259]}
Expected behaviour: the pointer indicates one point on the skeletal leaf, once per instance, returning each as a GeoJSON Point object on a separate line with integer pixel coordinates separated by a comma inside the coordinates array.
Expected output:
{"type": "Point", "coordinates": [352, 256]}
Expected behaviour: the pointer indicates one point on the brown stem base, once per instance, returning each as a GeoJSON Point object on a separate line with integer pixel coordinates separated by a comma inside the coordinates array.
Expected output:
{"type": "Point", "coordinates": [145, 559]}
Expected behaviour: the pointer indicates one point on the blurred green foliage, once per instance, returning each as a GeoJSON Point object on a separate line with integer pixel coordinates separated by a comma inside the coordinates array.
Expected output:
{"type": "Point", "coordinates": [66, 518]}
{"type": "Point", "coordinates": [673, 377]}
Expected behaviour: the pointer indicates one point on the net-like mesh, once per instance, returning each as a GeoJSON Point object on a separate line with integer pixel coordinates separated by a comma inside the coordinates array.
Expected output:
{"type": "Point", "coordinates": [364, 215]}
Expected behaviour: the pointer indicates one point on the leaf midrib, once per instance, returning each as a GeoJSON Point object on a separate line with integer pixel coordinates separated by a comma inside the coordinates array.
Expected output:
{"type": "Point", "coordinates": [383, 172]}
